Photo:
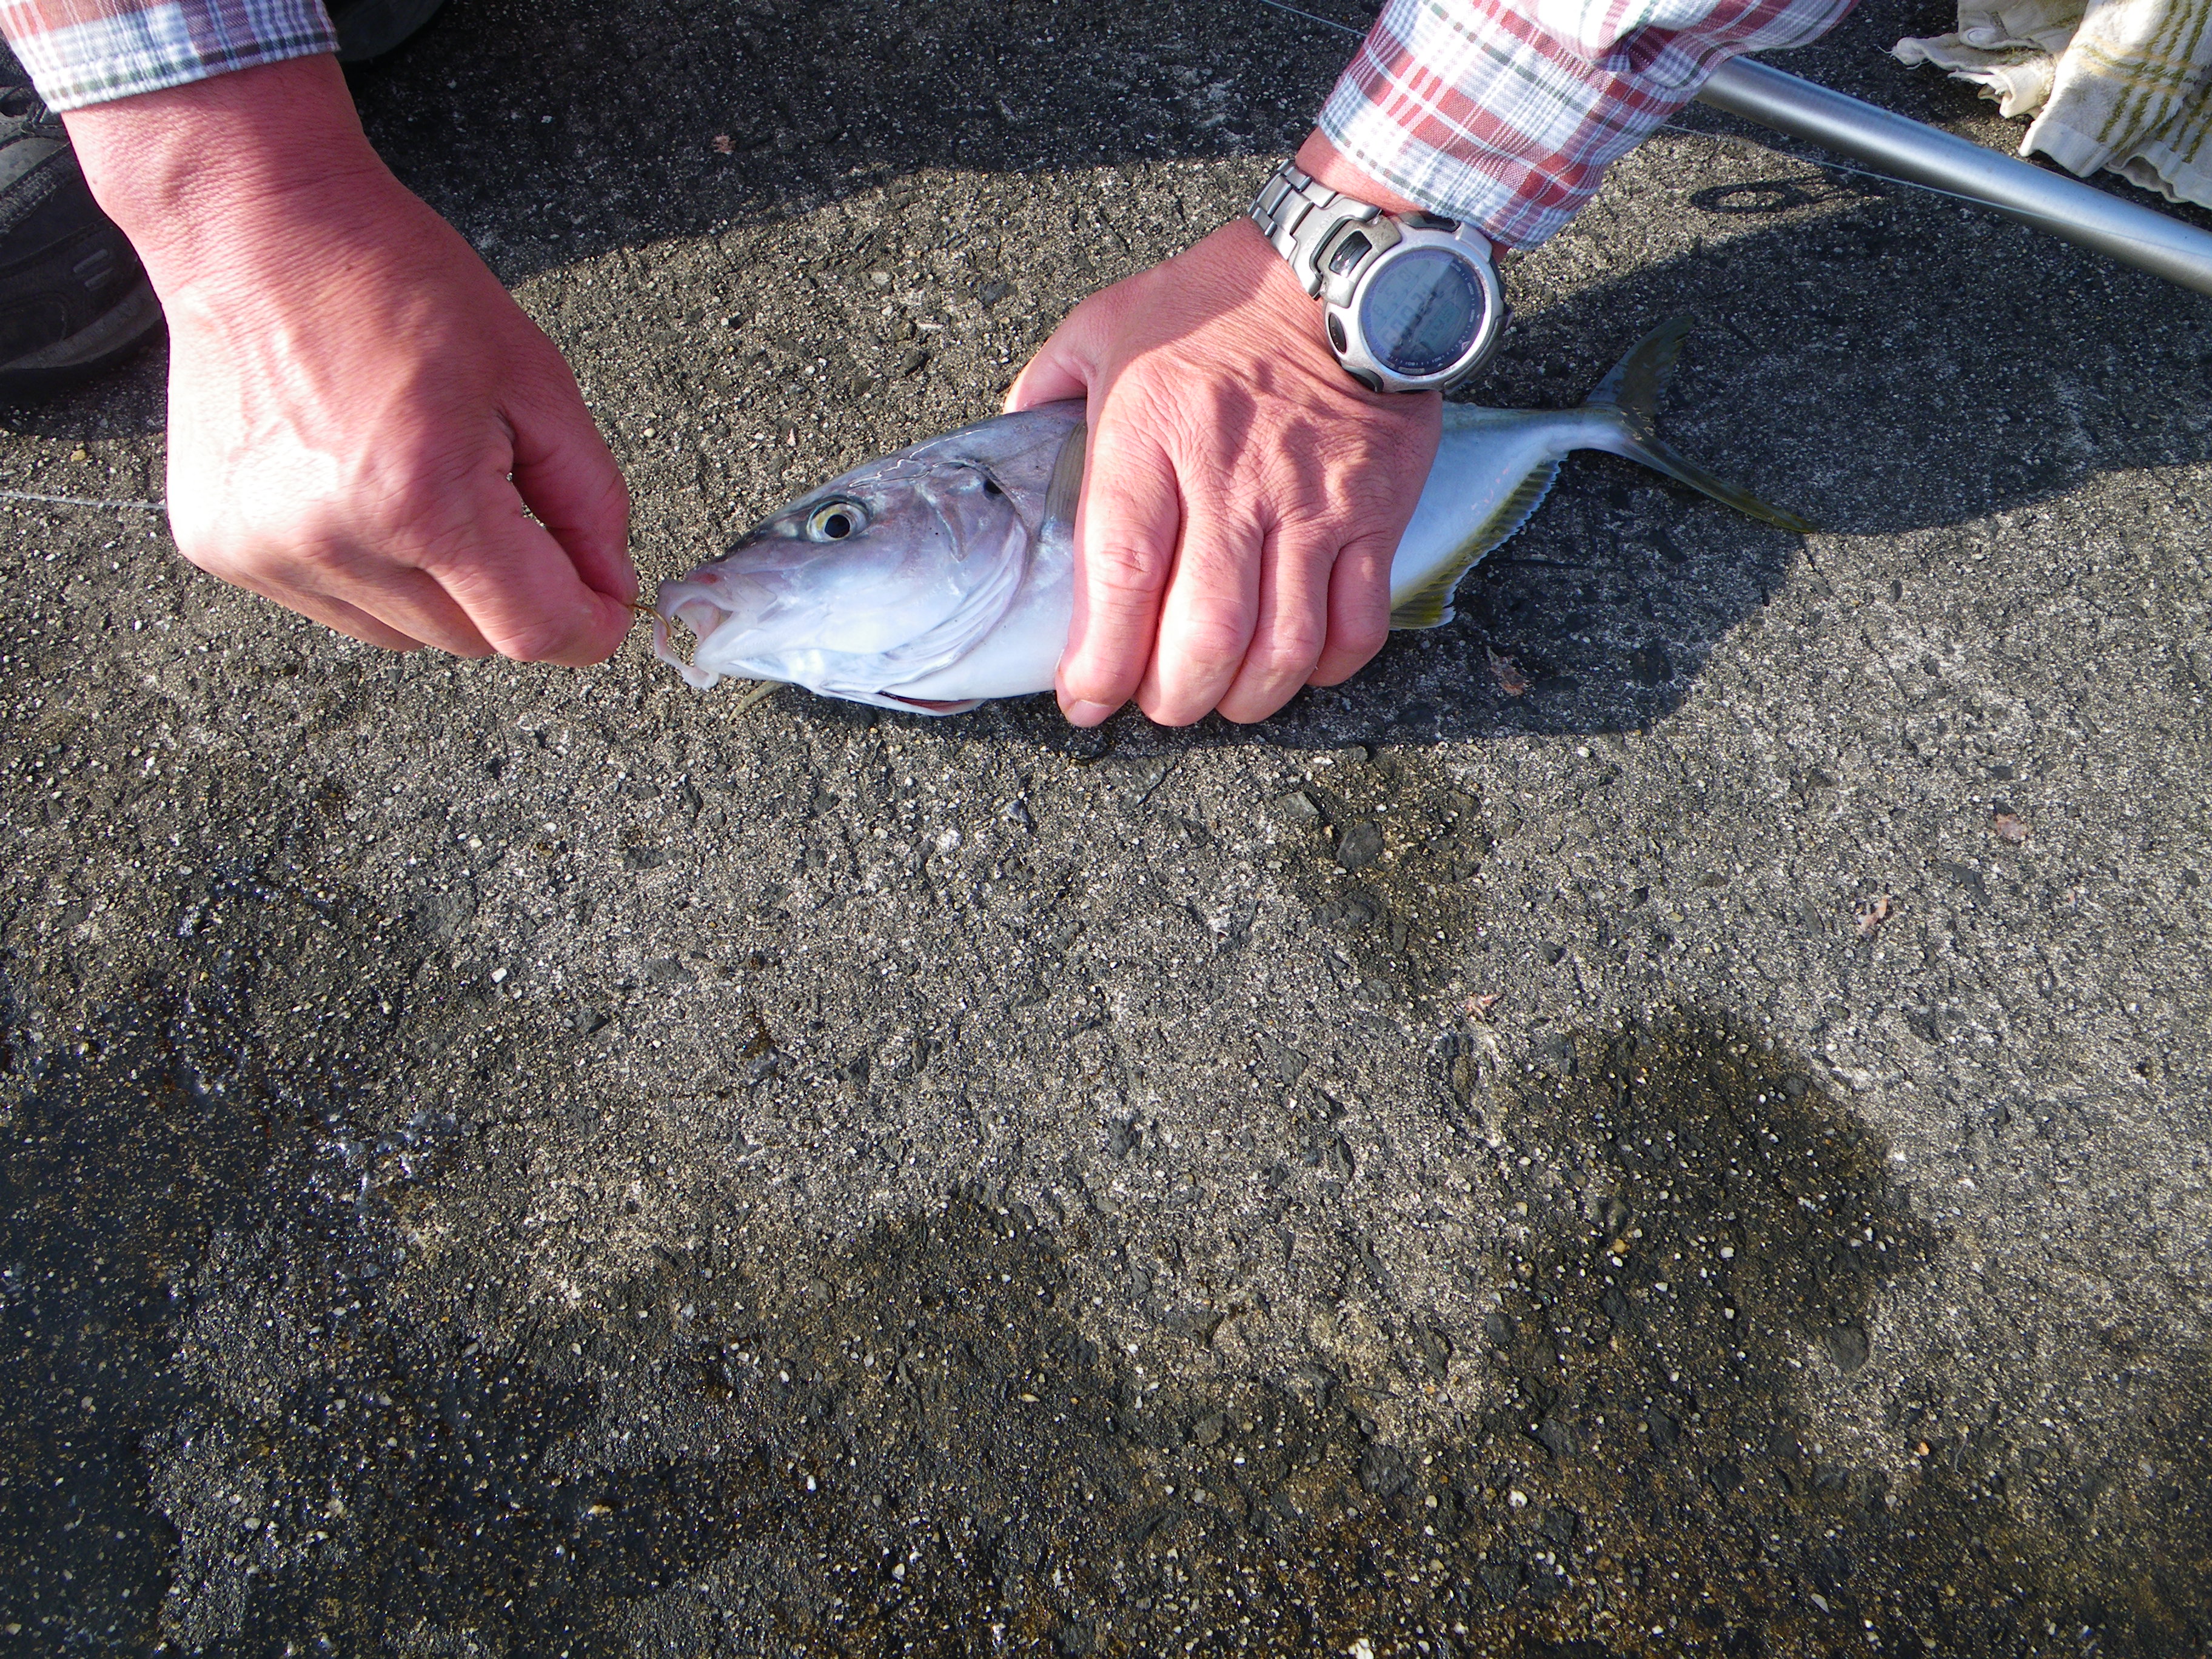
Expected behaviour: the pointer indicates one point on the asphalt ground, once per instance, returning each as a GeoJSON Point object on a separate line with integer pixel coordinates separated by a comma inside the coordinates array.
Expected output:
{"type": "Point", "coordinates": [1669, 1116]}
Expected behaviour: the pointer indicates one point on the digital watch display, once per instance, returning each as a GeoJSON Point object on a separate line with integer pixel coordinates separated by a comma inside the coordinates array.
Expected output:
{"type": "Point", "coordinates": [1412, 303]}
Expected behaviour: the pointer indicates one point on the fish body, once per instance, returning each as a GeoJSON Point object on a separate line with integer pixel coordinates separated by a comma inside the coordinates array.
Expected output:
{"type": "Point", "coordinates": [944, 575]}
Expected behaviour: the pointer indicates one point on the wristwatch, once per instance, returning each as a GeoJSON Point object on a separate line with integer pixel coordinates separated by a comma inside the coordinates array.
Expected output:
{"type": "Point", "coordinates": [1411, 302]}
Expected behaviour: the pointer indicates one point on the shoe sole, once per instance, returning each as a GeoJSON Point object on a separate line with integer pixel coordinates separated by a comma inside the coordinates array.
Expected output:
{"type": "Point", "coordinates": [108, 339]}
{"type": "Point", "coordinates": [369, 28]}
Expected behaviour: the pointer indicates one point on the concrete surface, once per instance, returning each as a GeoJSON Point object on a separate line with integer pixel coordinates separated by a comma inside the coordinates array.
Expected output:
{"type": "Point", "coordinates": [1706, 1155]}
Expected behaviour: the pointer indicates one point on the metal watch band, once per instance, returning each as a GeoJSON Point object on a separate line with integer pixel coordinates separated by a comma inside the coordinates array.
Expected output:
{"type": "Point", "coordinates": [1297, 215]}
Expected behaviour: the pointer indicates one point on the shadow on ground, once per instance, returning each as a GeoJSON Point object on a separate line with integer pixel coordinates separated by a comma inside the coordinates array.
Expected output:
{"type": "Point", "coordinates": [908, 1439]}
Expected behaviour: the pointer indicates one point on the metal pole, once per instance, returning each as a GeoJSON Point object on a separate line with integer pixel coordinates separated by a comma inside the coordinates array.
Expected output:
{"type": "Point", "coordinates": [2051, 202]}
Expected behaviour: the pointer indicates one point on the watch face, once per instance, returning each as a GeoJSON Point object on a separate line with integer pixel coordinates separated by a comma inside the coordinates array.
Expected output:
{"type": "Point", "coordinates": [1422, 312]}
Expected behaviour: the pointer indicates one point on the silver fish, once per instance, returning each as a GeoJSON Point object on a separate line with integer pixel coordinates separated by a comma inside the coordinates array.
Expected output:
{"type": "Point", "coordinates": [940, 576]}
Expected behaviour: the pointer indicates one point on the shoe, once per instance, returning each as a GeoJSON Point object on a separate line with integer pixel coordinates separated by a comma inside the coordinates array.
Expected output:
{"type": "Point", "coordinates": [369, 28]}
{"type": "Point", "coordinates": [73, 296]}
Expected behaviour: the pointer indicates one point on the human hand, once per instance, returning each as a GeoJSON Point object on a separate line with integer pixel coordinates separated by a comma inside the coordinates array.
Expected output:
{"type": "Point", "coordinates": [1243, 495]}
{"type": "Point", "coordinates": [363, 423]}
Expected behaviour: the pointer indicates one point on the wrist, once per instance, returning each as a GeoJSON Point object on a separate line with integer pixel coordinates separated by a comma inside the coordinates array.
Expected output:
{"type": "Point", "coordinates": [251, 165]}
{"type": "Point", "coordinates": [1325, 164]}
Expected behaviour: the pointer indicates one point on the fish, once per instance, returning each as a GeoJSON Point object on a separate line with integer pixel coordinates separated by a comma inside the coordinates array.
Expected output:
{"type": "Point", "coordinates": [943, 576]}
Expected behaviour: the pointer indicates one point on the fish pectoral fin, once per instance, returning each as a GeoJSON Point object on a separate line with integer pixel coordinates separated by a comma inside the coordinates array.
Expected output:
{"type": "Point", "coordinates": [1065, 489]}
{"type": "Point", "coordinates": [1429, 604]}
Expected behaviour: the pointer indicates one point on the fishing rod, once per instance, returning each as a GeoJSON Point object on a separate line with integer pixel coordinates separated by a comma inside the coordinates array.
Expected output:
{"type": "Point", "coordinates": [1915, 153]}
{"type": "Point", "coordinates": [1909, 152]}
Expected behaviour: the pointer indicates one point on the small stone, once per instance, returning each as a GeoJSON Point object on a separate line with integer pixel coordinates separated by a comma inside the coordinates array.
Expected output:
{"type": "Point", "coordinates": [1360, 845]}
{"type": "Point", "coordinates": [915, 361]}
{"type": "Point", "coordinates": [1648, 664]}
{"type": "Point", "coordinates": [1845, 1346]}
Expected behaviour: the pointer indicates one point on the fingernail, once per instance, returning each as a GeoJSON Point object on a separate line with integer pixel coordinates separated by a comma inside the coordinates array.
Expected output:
{"type": "Point", "coordinates": [1085, 714]}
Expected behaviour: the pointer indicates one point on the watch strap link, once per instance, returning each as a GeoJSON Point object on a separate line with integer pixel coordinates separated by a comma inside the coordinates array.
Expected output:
{"type": "Point", "coordinates": [1297, 215]}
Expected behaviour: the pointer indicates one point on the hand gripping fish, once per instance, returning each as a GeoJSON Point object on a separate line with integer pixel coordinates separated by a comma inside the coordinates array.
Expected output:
{"type": "Point", "coordinates": [943, 576]}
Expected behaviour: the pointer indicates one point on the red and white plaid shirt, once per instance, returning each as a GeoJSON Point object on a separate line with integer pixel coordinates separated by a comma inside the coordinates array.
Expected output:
{"type": "Point", "coordinates": [89, 51]}
{"type": "Point", "coordinates": [1501, 113]}
{"type": "Point", "coordinates": [1504, 113]}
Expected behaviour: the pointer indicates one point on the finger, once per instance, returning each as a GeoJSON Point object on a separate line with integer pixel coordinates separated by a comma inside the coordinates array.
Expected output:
{"type": "Point", "coordinates": [1359, 609]}
{"type": "Point", "coordinates": [1292, 630]}
{"type": "Point", "coordinates": [370, 598]}
{"type": "Point", "coordinates": [332, 613]}
{"type": "Point", "coordinates": [356, 623]}
{"type": "Point", "coordinates": [1125, 539]}
{"type": "Point", "coordinates": [1059, 371]}
{"type": "Point", "coordinates": [521, 590]}
{"type": "Point", "coordinates": [1206, 617]}
{"type": "Point", "coordinates": [564, 472]}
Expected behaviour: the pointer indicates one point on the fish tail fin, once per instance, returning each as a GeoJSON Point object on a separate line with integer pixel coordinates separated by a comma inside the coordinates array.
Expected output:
{"type": "Point", "coordinates": [1628, 398]}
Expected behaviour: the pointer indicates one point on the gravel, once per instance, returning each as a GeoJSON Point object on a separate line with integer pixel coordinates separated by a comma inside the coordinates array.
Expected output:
{"type": "Point", "coordinates": [1666, 1117]}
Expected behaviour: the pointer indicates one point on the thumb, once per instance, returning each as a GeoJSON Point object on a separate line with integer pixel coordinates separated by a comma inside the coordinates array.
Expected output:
{"type": "Point", "coordinates": [564, 472]}
{"type": "Point", "coordinates": [1052, 376]}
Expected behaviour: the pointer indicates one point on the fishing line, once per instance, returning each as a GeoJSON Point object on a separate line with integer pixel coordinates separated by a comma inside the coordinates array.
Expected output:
{"type": "Point", "coordinates": [79, 501]}
{"type": "Point", "coordinates": [1311, 17]}
{"type": "Point", "coordinates": [2036, 221]}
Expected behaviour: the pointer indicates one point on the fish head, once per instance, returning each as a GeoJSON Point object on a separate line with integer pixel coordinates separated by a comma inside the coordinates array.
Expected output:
{"type": "Point", "coordinates": [892, 571]}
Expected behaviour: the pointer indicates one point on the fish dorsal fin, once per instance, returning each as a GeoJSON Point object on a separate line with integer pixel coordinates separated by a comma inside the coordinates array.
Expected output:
{"type": "Point", "coordinates": [1066, 488]}
{"type": "Point", "coordinates": [1428, 606]}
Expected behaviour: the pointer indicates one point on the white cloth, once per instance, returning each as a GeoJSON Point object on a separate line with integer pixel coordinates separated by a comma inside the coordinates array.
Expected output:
{"type": "Point", "coordinates": [2121, 85]}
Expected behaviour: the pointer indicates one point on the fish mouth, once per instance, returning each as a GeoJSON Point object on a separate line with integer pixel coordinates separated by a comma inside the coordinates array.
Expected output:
{"type": "Point", "coordinates": [683, 602]}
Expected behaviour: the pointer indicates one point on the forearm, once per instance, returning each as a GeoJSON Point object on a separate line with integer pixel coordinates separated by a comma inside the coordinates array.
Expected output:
{"type": "Point", "coordinates": [250, 167]}
{"type": "Point", "coordinates": [1505, 114]}
{"type": "Point", "coordinates": [80, 54]}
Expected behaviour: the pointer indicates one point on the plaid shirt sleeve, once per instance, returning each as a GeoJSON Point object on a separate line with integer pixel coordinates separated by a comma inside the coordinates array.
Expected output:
{"type": "Point", "coordinates": [87, 52]}
{"type": "Point", "coordinates": [1505, 114]}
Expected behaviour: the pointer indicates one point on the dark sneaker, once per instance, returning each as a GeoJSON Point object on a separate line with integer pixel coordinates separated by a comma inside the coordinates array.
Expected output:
{"type": "Point", "coordinates": [73, 297]}
{"type": "Point", "coordinates": [369, 28]}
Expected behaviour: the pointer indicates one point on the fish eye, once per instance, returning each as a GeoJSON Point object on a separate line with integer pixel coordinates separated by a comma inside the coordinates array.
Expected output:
{"type": "Point", "coordinates": [835, 521]}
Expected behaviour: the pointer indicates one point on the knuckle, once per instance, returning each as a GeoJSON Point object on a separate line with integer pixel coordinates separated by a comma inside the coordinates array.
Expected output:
{"type": "Point", "coordinates": [1125, 571]}
{"type": "Point", "coordinates": [1362, 635]}
{"type": "Point", "coordinates": [1212, 640]}
{"type": "Point", "coordinates": [1293, 645]}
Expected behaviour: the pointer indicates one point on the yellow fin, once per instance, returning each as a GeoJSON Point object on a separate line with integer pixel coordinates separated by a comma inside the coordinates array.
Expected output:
{"type": "Point", "coordinates": [1428, 606]}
